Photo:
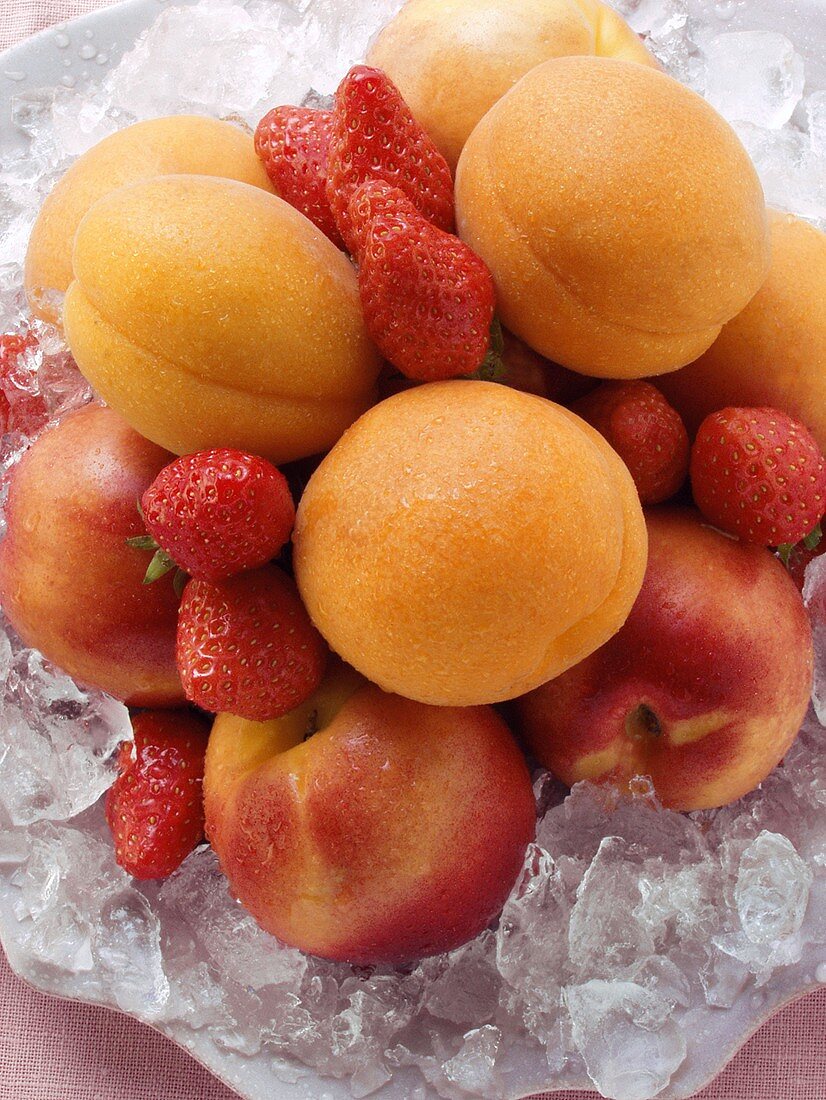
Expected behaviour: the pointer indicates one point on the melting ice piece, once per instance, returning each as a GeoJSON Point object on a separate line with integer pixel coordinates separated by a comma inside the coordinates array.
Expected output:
{"type": "Point", "coordinates": [624, 1032]}
{"type": "Point", "coordinates": [237, 947]}
{"type": "Point", "coordinates": [244, 58]}
{"type": "Point", "coordinates": [754, 76]}
{"type": "Point", "coordinates": [82, 920]}
{"type": "Point", "coordinates": [473, 1067]}
{"type": "Point", "coordinates": [772, 889]}
{"type": "Point", "coordinates": [58, 742]}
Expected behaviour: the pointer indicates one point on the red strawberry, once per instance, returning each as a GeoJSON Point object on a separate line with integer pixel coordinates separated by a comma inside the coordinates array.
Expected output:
{"type": "Point", "coordinates": [155, 807]}
{"type": "Point", "coordinates": [293, 143]}
{"type": "Point", "coordinates": [216, 513]}
{"type": "Point", "coordinates": [246, 645]}
{"type": "Point", "coordinates": [644, 430]}
{"type": "Point", "coordinates": [427, 298]}
{"type": "Point", "coordinates": [758, 474]}
{"type": "Point", "coordinates": [375, 136]}
{"type": "Point", "coordinates": [20, 411]}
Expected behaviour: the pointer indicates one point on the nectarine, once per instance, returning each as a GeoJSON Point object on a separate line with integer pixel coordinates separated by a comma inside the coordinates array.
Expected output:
{"type": "Point", "coordinates": [69, 584]}
{"type": "Point", "coordinates": [703, 689]}
{"type": "Point", "coordinates": [368, 828]}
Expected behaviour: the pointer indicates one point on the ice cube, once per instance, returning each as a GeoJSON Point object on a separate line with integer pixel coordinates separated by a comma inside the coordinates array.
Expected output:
{"type": "Point", "coordinates": [58, 742]}
{"type": "Point", "coordinates": [472, 1069]}
{"type": "Point", "coordinates": [85, 926]}
{"type": "Point", "coordinates": [237, 947]}
{"type": "Point", "coordinates": [772, 889]}
{"type": "Point", "coordinates": [463, 985]}
{"type": "Point", "coordinates": [723, 979]}
{"type": "Point", "coordinates": [630, 1045]}
{"type": "Point", "coordinates": [604, 937]}
{"type": "Point", "coordinates": [531, 948]}
{"type": "Point", "coordinates": [81, 120]}
{"type": "Point", "coordinates": [754, 76]}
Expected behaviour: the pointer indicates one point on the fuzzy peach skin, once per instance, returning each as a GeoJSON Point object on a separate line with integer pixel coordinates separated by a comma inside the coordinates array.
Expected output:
{"type": "Point", "coordinates": [464, 542]}
{"type": "Point", "coordinates": [69, 584]}
{"type": "Point", "coordinates": [703, 689]}
{"type": "Point", "coordinates": [212, 314]}
{"type": "Point", "coordinates": [453, 59]}
{"type": "Point", "coordinates": [159, 147]}
{"type": "Point", "coordinates": [774, 352]}
{"type": "Point", "coordinates": [396, 831]}
{"type": "Point", "coordinates": [618, 212]}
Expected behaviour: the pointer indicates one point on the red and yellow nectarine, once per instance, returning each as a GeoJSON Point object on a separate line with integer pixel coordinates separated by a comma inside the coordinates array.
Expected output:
{"type": "Point", "coordinates": [394, 831]}
{"type": "Point", "coordinates": [69, 584]}
{"type": "Point", "coordinates": [703, 689]}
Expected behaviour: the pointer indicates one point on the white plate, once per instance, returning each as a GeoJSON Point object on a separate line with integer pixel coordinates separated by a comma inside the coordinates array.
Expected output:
{"type": "Point", "coordinates": [80, 51]}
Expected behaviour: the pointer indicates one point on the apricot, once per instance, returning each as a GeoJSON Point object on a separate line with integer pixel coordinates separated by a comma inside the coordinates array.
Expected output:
{"type": "Point", "coordinates": [618, 212]}
{"type": "Point", "coordinates": [453, 60]}
{"type": "Point", "coordinates": [705, 686]}
{"type": "Point", "coordinates": [212, 314]}
{"type": "Point", "coordinates": [159, 147]}
{"type": "Point", "coordinates": [465, 541]}
{"type": "Point", "coordinates": [774, 352]}
{"type": "Point", "coordinates": [69, 584]}
{"type": "Point", "coordinates": [393, 831]}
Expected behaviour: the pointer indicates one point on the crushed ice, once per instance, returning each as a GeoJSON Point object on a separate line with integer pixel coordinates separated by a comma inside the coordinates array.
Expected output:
{"type": "Point", "coordinates": [628, 922]}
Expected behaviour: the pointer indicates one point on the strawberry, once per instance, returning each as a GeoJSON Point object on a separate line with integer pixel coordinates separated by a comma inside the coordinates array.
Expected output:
{"type": "Point", "coordinates": [246, 645]}
{"type": "Point", "coordinates": [375, 136]}
{"type": "Point", "coordinates": [293, 143]}
{"type": "Point", "coordinates": [427, 298]}
{"type": "Point", "coordinates": [645, 431]}
{"type": "Point", "coordinates": [20, 410]}
{"type": "Point", "coordinates": [758, 474]}
{"type": "Point", "coordinates": [155, 807]}
{"type": "Point", "coordinates": [217, 513]}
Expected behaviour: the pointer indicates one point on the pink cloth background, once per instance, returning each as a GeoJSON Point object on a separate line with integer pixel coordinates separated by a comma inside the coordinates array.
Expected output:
{"type": "Point", "coordinates": [51, 1050]}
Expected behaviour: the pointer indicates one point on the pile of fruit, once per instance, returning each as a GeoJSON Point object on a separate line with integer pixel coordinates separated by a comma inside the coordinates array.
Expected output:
{"type": "Point", "coordinates": [383, 504]}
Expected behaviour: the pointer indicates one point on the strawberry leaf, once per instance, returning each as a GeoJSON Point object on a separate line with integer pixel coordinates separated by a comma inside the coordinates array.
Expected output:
{"type": "Point", "coordinates": [492, 368]}
{"type": "Point", "coordinates": [160, 565]}
{"type": "Point", "coordinates": [812, 540]}
{"type": "Point", "coordinates": [142, 542]}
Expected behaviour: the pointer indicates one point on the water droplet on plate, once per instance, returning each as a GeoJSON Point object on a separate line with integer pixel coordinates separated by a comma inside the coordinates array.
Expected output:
{"type": "Point", "coordinates": [88, 34]}
{"type": "Point", "coordinates": [820, 973]}
{"type": "Point", "coordinates": [102, 58]}
{"type": "Point", "coordinates": [15, 75]}
{"type": "Point", "coordinates": [88, 51]}
{"type": "Point", "coordinates": [68, 81]}
{"type": "Point", "coordinates": [62, 41]}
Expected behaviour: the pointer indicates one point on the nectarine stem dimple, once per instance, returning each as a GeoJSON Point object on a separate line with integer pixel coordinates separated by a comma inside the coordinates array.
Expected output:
{"type": "Point", "coordinates": [642, 722]}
